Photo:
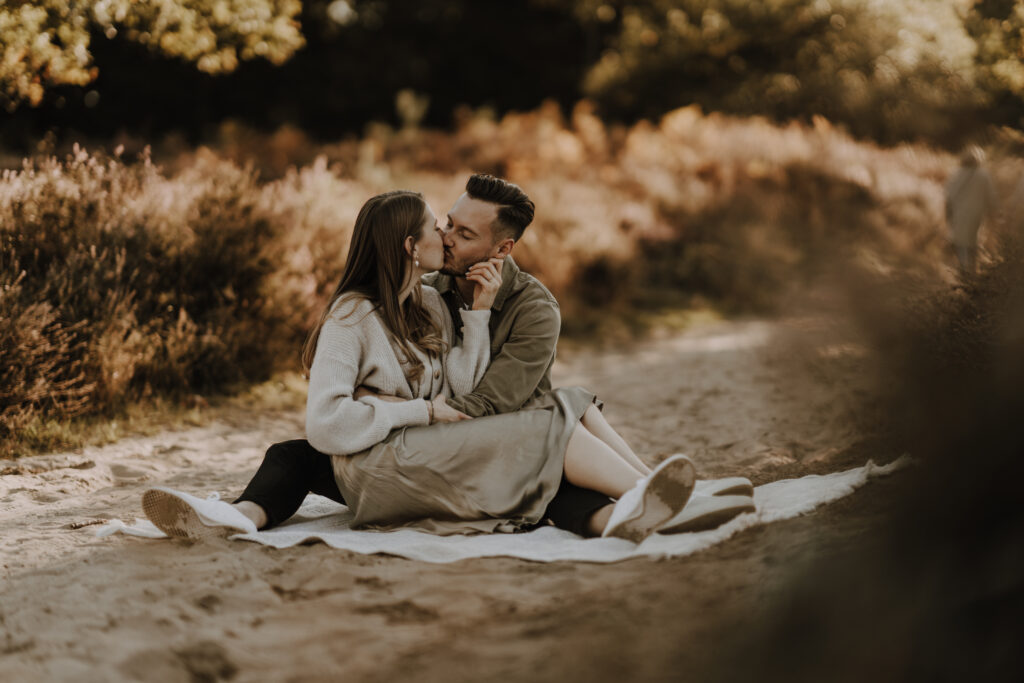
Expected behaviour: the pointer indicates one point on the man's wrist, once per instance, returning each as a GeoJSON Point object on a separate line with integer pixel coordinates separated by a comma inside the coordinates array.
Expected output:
{"type": "Point", "coordinates": [430, 412]}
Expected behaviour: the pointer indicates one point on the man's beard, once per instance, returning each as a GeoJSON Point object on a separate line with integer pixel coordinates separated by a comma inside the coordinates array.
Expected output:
{"type": "Point", "coordinates": [451, 269]}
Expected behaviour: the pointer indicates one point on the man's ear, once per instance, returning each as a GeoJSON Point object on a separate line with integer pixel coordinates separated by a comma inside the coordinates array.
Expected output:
{"type": "Point", "coordinates": [504, 247]}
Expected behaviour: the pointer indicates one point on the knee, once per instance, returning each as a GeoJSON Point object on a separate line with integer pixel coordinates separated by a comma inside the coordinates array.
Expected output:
{"type": "Point", "coordinates": [277, 451]}
{"type": "Point", "coordinates": [293, 450]}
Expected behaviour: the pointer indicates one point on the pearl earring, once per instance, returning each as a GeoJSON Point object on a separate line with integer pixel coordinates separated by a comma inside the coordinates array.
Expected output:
{"type": "Point", "coordinates": [416, 259]}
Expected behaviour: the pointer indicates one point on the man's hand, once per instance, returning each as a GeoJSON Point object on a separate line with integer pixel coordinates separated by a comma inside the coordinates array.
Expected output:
{"type": "Point", "coordinates": [486, 278]}
{"type": "Point", "coordinates": [364, 391]}
{"type": "Point", "coordinates": [445, 413]}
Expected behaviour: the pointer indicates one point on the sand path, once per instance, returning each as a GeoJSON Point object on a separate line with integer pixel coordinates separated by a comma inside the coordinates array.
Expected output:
{"type": "Point", "coordinates": [754, 398]}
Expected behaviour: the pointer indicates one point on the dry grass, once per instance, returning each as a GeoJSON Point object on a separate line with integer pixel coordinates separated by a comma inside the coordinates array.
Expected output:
{"type": "Point", "coordinates": [122, 281]}
{"type": "Point", "coordinates": [118, 284]}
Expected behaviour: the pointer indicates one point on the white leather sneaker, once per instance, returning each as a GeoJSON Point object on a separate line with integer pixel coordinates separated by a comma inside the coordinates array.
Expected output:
{"type": "Point", "coordinates": [707, 512]}
{"type": "Point", "coordinates": [730, 486]}
{"type": "Point", "coordinates": [182, 515]}
{"type": "Point", "coordinates": [655, 499]}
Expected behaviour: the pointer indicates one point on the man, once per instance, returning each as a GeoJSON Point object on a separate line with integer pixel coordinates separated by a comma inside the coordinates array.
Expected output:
{"type": "Point", "coordinates": [970, 198]}
{"type": "Point", "coordinates": [485, 223]}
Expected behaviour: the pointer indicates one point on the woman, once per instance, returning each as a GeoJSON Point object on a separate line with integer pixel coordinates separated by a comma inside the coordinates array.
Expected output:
{"type": "Point", "coordinates": [417, 462]}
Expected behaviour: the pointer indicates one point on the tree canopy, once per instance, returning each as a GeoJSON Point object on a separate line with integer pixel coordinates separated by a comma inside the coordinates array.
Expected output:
{"type": "Point", "coordinates": [902, 66]}
{"type": "Point", "coordinates": [47, 42]}
{"type": "Point", "coordinates": [890, 70]}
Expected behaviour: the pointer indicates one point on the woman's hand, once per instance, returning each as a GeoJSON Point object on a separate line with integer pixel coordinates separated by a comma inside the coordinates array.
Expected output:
{"type": "Point", "coordinates": [445, 413]}
{"type": "Point", "coordinates": [486, 277]}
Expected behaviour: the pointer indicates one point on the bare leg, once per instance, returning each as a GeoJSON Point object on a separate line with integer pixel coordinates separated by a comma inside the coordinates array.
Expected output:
{"type": "Point", "coordinates": [592, 464]}
{"type": "Point", "coordinates": [253, 511]}
{"type": "Point", "coordinates": [595, 423]}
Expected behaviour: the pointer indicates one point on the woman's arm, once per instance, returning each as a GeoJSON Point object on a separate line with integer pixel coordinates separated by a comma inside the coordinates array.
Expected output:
{"type": "Point", "coordinates": [337, 423]}
{"type": "Point", "coordinates": [465, 364]}
{"type": "Point", "coordinates": [438, 409]}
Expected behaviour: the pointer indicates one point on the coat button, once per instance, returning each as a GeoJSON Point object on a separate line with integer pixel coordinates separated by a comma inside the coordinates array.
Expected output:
{"type": "Point", "coordinates": [437, 374]}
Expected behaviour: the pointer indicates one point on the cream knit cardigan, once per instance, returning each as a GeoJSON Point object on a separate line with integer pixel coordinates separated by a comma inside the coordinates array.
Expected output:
{"type": "Point", "coordinates": [354, 349]}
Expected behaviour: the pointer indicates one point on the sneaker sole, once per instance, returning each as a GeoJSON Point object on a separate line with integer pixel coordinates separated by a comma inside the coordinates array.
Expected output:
{"type": "Point", "coordinates": [712, 518]}
{"type": "Point", "coordinates": [176, 518]}
{"type": "Point", "coordinates": [664, 497]}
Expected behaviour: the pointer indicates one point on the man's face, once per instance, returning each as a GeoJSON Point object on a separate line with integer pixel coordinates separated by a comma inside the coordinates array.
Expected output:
{"type": "Point", "coordinates": [468, 237]}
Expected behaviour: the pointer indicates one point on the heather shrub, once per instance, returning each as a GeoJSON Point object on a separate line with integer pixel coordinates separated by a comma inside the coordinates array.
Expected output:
{"type": "Point", "coordinates": [738, 211]}
{"type": "Point", "coordinates": [121, 280]}
{"type": "Point", "coordinates": [36, 376]}
{"type": "Point", "coordinates": [316, 208]}
{"type": "Point", "coordinates": [117, 282]}
{"type": "Point", "coordinates": [630, 219]}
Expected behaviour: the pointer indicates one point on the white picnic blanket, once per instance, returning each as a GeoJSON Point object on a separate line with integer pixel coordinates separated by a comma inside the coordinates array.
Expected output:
{"type": "Point", "coordinates": [320, 519]}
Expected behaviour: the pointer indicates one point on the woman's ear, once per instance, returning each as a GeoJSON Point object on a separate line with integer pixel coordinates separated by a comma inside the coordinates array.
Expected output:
{"type": "Point", "coordinates": [410, 245]}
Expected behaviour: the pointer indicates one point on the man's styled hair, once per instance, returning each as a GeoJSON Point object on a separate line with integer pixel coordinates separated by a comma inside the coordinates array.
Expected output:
{"type": "Point", "coordinates": [515, 209]}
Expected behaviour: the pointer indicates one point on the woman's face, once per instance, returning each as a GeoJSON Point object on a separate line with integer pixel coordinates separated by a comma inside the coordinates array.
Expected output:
{"type": "Point", "coordinates": [430, 247]}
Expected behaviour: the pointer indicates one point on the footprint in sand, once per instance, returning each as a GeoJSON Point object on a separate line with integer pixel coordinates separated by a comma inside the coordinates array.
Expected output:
{"type": "Point", "coordinates": [46, 497]}
{"type": "Point", "coordinates": [203, 661]}
{"type": "Point", "coordinates": [126, 474]}
{"type": "Point", "coordinates": [404, 612]}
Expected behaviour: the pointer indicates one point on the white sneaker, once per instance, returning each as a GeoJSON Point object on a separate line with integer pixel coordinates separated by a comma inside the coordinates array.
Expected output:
{"type": "Point", "coordinates": [181, 515]}
{"type": "Point", "coordinates": [655, 499]}
{"type": "Point", "coordinates": [730, 486]}
{"type": "Point", "coordinates": [707, 512]}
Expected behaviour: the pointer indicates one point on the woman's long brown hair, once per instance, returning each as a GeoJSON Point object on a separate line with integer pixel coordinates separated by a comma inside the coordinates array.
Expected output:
{"type": "Point", "coordinates": [377, 268]}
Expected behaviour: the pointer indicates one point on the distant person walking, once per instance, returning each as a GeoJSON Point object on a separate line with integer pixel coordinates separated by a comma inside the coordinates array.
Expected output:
{"type": "Point", "coordinates": [970, 198]}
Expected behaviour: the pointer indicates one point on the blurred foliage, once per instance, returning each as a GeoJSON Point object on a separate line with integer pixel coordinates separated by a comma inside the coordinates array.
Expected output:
{"type": "Point", "coordinates": [931, 590]}
{"type": "Point", "coordinates": [47, 43]}
{"type": "Point", "coordinates": [358, 57]}
{"type": "Point", "coordinates": [888, 70]}
{"type": "Point", "coordinates": [893, 70]}
{"type": "Point", "coordinates": [117, 283]}
{"type": "Point", "coordinates": [997, 26]}
{"type": "Point", "coordinates": [121, 282]}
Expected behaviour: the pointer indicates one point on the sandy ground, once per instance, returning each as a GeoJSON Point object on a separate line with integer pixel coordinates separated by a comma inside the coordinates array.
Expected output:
{"type": "Point", "coordinates": [752, 398]}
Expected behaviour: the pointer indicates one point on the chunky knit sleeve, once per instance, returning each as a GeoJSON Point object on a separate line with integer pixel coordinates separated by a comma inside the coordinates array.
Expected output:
{"type": "Point", "coordinates": [464, 364]}
{"type": "Point", "coordinates": [336, 423]}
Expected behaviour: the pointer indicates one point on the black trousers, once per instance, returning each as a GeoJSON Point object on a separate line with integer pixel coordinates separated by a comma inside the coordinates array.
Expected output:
{"type": "Point", "coordinates": [292, 469]}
